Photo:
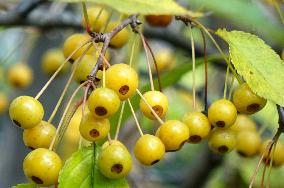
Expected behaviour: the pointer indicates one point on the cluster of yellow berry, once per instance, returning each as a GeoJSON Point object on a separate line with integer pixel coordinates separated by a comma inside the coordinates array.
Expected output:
{"type": "Point", "coordinates": [19, 76]}
{"type": "Point", "coordinates": [224, 129]}
{"type": "Point", "coordinates": [42, 165]}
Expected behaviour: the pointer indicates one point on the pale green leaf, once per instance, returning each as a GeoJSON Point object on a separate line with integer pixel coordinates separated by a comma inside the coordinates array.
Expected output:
{"type": "Point", "coordinates": [244, 14]}
{"type": "Point", "coordinates": [155, 7]}
{"type": "Point", "coordinates": [81, 171]}
{"type": "Point", "coordinates": [259, 65]}
{"type": "Point", "coordinates": [25, 185]}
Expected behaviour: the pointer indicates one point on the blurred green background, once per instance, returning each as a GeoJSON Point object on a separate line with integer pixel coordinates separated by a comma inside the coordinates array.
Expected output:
{"type": "Point", "coordinates": [194, 165]}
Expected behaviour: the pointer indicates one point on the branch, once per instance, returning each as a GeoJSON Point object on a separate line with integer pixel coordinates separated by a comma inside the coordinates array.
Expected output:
{"type": "Point", "coordinates": [106, 37]}
{"type": "Point", "coordinates": [20, 12]}
{"type": "Point", "coordinates": [281, 118]}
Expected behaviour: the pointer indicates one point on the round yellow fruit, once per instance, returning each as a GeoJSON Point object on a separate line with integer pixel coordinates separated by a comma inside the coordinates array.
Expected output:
{"type": "Point", "coordinates": [52, 60]}
{"type": "Point", "coordinates": [20, 75]}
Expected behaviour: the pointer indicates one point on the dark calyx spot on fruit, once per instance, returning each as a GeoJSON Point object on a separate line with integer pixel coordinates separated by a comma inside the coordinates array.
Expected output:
{"type": "Point", "coordinates": [71, 60]}
{"type": "Point", "coordinates": [154, 162]}
{"type": "Point", "coordinates": [158, 109]}
{"type": "Point", "coordinates": [31, 147]}
{"type": "Point", "coordinates": [123, 90]}
{"type": "Point", "coordinates": [17, 83]}
{"type": "Point", "coordinates": [37, 180]}
{"type": "Point", "coordinates": [223, 149]}
{"type": "Point", "coordinates": [94, 133]}
{"type": "Point", "coordinates": [97, 79]}
{"type": "Point", "coordinates": [253, 107]}
{"type": "Point", "coordinates": [17, 123]}
{"type": "Point", "coordinates": [195, 138]}
{"type": "Point", "coordinates": [220, 124]}
{"type": "Point", "coordinates": [101, 111]}
{"type": "Point", "coordinates": [117, 168]}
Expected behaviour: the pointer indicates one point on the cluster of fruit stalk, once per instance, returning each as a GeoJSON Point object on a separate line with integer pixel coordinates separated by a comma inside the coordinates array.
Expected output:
{"type": "Point", "coordinates": [106, 87]}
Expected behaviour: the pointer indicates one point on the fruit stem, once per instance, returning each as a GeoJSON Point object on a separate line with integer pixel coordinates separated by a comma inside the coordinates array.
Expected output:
{"type": "Point", "coordinates": [156, 65]}
{"type": "Point", "coordinates": [231, 87]}
{"type": "Point", "coordinates": [86, 17]}
{"type": "Point", "coordinates": [51, 147]}
{"type": "Point", "coordinates": [135, 118]}
{"type": "Point", "coordinates": [193, 68]}
{"type": "Point", "coordinates": [278, 10]}
{"type": "Point", "coordinates": [66, 86]}
{"type": "Point", "coordinates": [119, 121]}
{"type": "Point", "coordinates": [226, 83]}
{"type": "Point", "coordinates": [85, 99]}
{"type": "Point", "coordinates": [103, 30]}
{"type": "Point", "coordinates": [270, 165]}
{"type": "Point", "coordinates": [268, 148]}
{"type": "Point", "coordinates": [109, 138]}
{"type": "Point", "coordinates": [105, 61]}
{"type": "Point", "coordinates": [59, 68]}
{"type": "Point", "coordinates": [187, 20]}
{"type": "Point", "coordinates": [132, 50]}
{"type": "Point", "coordinates": [205, 71]}
{"type": "Point", "coordinates": [149, 106]}
{"type": "Point", "coordinates": [148, 62]}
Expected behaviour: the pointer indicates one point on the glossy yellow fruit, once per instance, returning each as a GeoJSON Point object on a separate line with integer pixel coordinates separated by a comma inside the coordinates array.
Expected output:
{"type": "Point", "coordinates": [103, 102]}
{"type": "Point", "coordinates": [42, 167]}
{"type": "Point", "coordinates": [39, 136]}
{"type": "Point", "coordinates": [222, 141]}
{"type": "Point", "coordinates": [149, 149]}
{"type": "Point", "coordinates": [121, 38]}
{"type": "Point", "coordinates": [158, 101]}
{"type": "Point", "coordinates": [173, 134]}
{"type": "Point", "coordinates": [93, 129]}
{"type": "Point", "coordinates": [159, 20]}
{"type": "Point", "coordinates": [282, 55]}
{"type": "Point", "coordinates": [165, 60]}
{"type": "Point", "coordinates": [248, 143]}
{"type": "Point", "coordinates": [198, 125]}
{"type": "Point", "coordinates": [278, 157]}
{"type": "Point", "coordinates": [3, 102]}
{"type": "Point", "coordinates": [243, 123]}
{"type": "Point", "coordinates": [246, 101]}
{"type": "Point", "coordinates": [97, 16]}
{"type": "Point", "coordinates": [115, 161]}
{"type": "Point", "coordinates": [71, 139]}
{"type": "Point", "coordinates": [26, 112]}
{"type": "Point", "coordinates": [52, 60]}
{"type": "Point", "coordinates": [113, 142]}
{"type": "Point", "coordinates": [123, 79]}
{"type": "Point", "coordinates": [222, 113]}
{"type": "Point", "coordinates": [20, 75]}
{"type": "Point", "coordinates": [85, 67]}
{"type": "Point", "coordinates": [75, 41]}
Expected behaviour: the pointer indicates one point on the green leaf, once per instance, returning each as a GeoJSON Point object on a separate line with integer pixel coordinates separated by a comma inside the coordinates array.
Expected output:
{"type": "Point", "coordinates": [156, 7]}
{"type": "Point", "coordinates": [25, 185]}
{"type": "Point", "coordinates": [259, 65]}
{"type": "Point", "coordinates": [244, 14]}
{"type": "Point", "coordinates": [80, 171]}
